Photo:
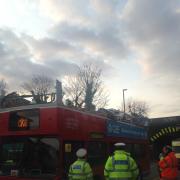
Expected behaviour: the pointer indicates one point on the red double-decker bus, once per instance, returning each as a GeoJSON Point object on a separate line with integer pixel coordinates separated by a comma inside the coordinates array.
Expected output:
{"type": "Point", "coordinates": [40, 142]}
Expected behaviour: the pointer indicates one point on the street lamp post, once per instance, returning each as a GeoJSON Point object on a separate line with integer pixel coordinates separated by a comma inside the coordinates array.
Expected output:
{"type": "Point", "coordinates": [124, 101]}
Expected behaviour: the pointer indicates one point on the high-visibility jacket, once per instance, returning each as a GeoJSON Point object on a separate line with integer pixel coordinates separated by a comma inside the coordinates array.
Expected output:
{"type": "Point", "coordinates": [169, 167]}
{"type": "Point", "coordinates": [121, 166]}
{"type": "Point", "coordinates": [80, 170]}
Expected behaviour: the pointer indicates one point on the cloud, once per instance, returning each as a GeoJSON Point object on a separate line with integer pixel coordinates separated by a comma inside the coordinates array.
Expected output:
{"type": "Point", "coordinates": [23, 56]}
{"type": "Point", "coordinates": [89, 12]}
{"type": "Point", "coordinates": [115, 31]}
{"type": "Point", "coordinates": [48, 48]}
{"type": "Point", "coordinates": [18, 61]}
{"type": "Point", "coordinates": [154, 30]}
{"type": "Point", "coordinates": [93, 26]}
{"type": "Point", "coordinates": [60, 10]}
{"type": "Point", "coordinates": [104, 43]}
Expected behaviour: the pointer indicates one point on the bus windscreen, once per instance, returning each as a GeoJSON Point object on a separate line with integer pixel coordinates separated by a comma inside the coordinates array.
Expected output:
{"type": "Point", "coordinates": [29, 156]}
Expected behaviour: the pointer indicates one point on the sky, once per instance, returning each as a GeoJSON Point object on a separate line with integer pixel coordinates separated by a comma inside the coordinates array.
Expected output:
{"type": "Point", "coordinates": [135, 43]}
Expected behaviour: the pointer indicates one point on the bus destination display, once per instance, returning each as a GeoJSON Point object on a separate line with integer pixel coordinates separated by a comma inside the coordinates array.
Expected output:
{"type": "Point", "coordinates": [24, 120]}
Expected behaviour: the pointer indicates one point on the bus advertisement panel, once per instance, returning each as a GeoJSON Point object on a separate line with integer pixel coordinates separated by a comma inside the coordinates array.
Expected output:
{"type": "Point", "coordinates": [120, 129]}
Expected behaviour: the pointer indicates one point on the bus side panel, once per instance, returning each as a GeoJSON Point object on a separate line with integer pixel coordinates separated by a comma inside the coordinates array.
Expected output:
{"type": "Point", "coordinates": [48, 120]}
{"type": "Point", "coordinates": [78, 125]}
{"type": "Point", "coordinates": [70, 125]}
{"type": "Point", "coordinates": [94, 126]}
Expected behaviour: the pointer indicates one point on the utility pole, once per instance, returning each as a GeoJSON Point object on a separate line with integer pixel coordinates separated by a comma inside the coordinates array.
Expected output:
{"type": "Point", "coordinates": [124, 102]}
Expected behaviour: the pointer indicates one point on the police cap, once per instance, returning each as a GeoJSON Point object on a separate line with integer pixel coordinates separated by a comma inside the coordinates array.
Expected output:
{"type": "Point", "coordinates": [81, 152]}
{"type": "Point", "coordinates": [119, 144]}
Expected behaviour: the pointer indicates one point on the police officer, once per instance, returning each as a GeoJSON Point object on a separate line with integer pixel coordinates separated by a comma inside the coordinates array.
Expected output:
{"type": "Point", "coordinates": [120, 166]}
{"type": "Point", "coordinates": [80, 169]}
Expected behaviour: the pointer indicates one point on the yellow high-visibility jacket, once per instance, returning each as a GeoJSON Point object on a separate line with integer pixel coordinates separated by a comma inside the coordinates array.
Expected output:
{"type": "Point", "coordinates": [121, 166]}
{"type": "Point", "coordinates": [80, 170]}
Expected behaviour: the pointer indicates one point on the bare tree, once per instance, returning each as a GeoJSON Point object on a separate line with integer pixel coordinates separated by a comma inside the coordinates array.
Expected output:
{"type": "Point", "coordinates": [40, 86]}
{"type": "Point", "coordinates": [137, 108]}
{"type": "Point", "coordinates": [74, 91]}
{"type": "Point", "coordinates": [3, 87]}
{"type": "Point", "coordinates": [85, 89]}
{"type": "Point", "coordinates": [101, 98]}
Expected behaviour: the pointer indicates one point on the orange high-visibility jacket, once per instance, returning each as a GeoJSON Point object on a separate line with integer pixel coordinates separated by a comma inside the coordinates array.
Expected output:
{"type": "Point", "coordinates": [169, 166]}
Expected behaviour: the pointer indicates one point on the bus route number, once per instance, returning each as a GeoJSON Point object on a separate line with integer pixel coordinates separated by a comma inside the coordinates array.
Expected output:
{"type": "Point", "coordinates": [22, 123]}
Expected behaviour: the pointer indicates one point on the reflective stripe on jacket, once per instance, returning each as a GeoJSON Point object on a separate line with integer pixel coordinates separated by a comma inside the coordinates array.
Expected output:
{"type": "Point", "coordinates": [80, 170]}
{"type": "Point", "coordinates": [121, 166]}
{"type": "Point", "coordinates": [169, 166]}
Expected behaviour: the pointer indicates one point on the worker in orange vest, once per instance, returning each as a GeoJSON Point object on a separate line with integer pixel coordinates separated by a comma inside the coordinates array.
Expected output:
{"type": "Point", "coordinates": [168, 164]}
